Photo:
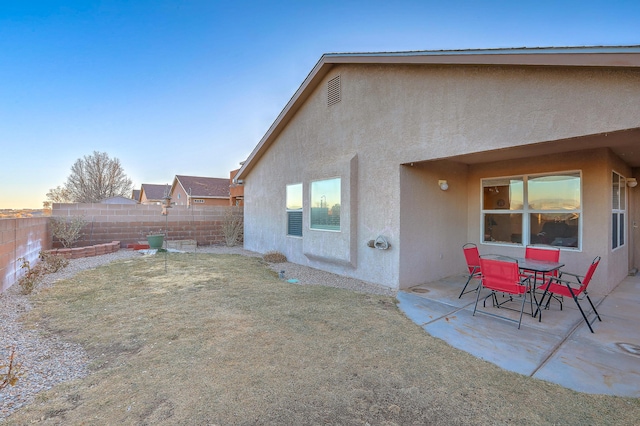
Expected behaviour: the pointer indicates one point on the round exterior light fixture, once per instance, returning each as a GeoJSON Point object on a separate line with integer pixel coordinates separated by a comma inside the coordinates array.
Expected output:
{"type": "Point", "coordinates": [443, 185]}
{"type": "Point", "coordinates": [632, 182]}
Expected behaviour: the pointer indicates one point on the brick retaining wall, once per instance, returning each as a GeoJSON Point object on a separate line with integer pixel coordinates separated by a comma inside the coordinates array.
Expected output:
{"type": "Point", "coordinates": [21, 237]}
{"type": "Point", "coordinates": [87, 251]}
{"type": "Point", "coordinates": [130, 223]}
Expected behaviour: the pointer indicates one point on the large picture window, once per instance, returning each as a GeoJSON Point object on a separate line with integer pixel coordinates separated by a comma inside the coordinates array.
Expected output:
{"type": "Point", "coordinates": [618, 208]}
{"type": "Point", "coordinates": [533, 209]}
{"type": "Point", "coordinates": [294, 210]}
{"type": "Point", "coordinates": [325, 204]}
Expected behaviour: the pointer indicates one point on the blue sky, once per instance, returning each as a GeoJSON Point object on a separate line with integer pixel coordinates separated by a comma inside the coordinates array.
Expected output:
{"type": "Point", "coordinates": [189, 87]}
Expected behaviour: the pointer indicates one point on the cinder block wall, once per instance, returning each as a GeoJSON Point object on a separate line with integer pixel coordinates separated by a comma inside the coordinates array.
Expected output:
{"type": "Point", "coordinates": [21, 237]}
{"type": "Point", "coordinates": [130, 224]}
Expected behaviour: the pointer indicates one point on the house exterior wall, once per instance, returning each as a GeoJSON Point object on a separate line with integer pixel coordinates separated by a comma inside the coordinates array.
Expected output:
{"type": "Point", "coordinates": [392, 115]}
{"type": "Point", "coordinates": [433, 221]}
{"type": "Point", "coordinates": [634, 224]}
{"type": "Point", "coordinates": [179, 196]}
{"type": "Point", "coordinates": [212, 201]}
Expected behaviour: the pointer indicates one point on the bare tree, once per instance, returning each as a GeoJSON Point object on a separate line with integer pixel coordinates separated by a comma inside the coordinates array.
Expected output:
{"type": "Point", "coordinates": [93, 178]}
{"type": "Point", "coordinates": [58, 194]}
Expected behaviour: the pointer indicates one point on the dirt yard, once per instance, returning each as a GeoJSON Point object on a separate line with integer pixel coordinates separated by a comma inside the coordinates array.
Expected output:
{"type": "Point", "coordinates": [219, 339]}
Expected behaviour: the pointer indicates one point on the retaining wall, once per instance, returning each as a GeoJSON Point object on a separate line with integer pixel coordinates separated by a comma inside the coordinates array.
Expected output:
{"type": "Point", "coordinates": [87, 251]}
{"type": "Point", "coordinates": [21, 237]}
{"type": "Point", "coordinates": [130, 223]}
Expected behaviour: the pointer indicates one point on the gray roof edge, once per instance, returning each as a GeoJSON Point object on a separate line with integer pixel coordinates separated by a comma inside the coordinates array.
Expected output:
{"type": "Point", "coordinates": [510, 56]}
{"type": "Point", "coordinates": [497, 51]}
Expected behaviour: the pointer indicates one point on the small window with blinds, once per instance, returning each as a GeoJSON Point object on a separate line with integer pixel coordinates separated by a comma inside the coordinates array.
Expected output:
{"type": "Point", "coordinates": [334, 92]}
{"type": "Point", "coordinates": [294, 210]}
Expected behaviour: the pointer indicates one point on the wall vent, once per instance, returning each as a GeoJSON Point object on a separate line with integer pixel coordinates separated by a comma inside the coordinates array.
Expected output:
{"type": "Point", "coordinates": [333, 91]}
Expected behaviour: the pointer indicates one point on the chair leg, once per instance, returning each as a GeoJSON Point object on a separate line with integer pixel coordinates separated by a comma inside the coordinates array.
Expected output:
{"type": "Point", "coordinates": [465, 286]}
{"type": "Point", "coordinates": [477, 299]}
{"type": "Point", "coordinates": [494, 300]}
{"type": "Point", "coordinates": [524, 301]}
{"type": "Point", "coordinates": [544, 294]}
{"type": "Point", "coordinates": [593, 307]}
{"type": "Point", "coordinates": [472, 276]}
{"type": "Point", "coordinates": [583, 314]}
{"type": "Point", "coordinates": [575, 298]}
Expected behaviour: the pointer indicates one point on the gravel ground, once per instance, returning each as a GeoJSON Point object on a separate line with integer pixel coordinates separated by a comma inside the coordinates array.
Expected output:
{"type": "Point", "coordinates": [47, 360]}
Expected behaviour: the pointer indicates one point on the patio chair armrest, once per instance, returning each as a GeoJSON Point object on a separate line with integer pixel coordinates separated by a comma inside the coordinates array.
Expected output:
{"type": "Point", "coordinates": [525, 277]}
{"type": "Point", "coordinates": [571, 284]}
{"type": "Point", "coordinates": [576, 276]}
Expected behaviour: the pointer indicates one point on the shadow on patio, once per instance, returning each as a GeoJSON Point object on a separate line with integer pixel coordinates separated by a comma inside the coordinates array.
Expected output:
{"type": "Point", "coordinates": [560, 349]}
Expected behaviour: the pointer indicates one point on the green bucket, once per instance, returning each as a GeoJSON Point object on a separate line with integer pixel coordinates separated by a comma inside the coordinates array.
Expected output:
{"type": "Point", "coordinates": [155, 241]}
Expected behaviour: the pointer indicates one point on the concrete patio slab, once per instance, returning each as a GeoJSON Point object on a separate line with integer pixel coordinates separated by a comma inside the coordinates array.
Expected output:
{"type": "Point", "coordinates": [560, 349]}
{"type": "Point", "coordinates": [604, 362]}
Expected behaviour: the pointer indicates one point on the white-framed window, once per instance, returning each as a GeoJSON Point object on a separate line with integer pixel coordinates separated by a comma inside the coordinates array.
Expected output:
{"type": "Point", "coordinates": [325, 204]}
{"type": "Point", "coordinates": [533, 209]}
{"type": "Point", "coordinates": [618, 209]}
{"type": "Point", "coordinates": [198, 201]}
{"type": "Point", "coordinates": [294, 209]}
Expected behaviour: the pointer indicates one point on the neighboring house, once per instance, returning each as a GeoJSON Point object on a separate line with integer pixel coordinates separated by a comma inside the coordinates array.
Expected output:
{"type": "Point", "coordinates": [153, 193]}
{"type": "Point", "coordinates": [529, 146]}
{"type": "Point", "coordinates": [236, 190]}
{"type": "Point", "coordinates": [118, 200]}
{"type": "Point", "coordinates": [135, 194]}
{"type": "Point", "coordinates": [199, 191]}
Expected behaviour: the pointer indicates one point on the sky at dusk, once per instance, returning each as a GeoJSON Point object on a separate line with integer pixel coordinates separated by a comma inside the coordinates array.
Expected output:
{"type": "Point", "coordinates": [189, 87]}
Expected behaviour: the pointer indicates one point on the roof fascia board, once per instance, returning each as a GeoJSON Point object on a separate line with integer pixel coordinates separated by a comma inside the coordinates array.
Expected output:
{"type": "Point", "coordinates": [173, 185]}
{"type": "Point", "coordinates": [583, 57]}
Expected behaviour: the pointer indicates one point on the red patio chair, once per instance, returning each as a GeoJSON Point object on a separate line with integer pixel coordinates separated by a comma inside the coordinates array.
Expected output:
{"type": "Point", "coordinates": [576, 288]}
{"type": "Point", "coordinates": [472, 256]}
{"type": "Point", "coordinates": [503, 276]}
{"type": "Point", "coordinates": [546, 254]}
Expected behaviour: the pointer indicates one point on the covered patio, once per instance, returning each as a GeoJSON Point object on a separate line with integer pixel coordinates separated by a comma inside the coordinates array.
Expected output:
{"type": "Point", "coordinates": [448, 218]}
{"type": "Point", "coordinates": [560, 349]}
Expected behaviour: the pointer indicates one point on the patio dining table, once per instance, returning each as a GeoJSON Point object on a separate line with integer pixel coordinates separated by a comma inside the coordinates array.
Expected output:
{"type": "Point", "coordinates": [537, 267]}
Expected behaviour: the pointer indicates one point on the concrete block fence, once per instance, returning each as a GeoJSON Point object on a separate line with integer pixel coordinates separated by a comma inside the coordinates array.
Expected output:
{"type": "Point", "coordinates": [109, 226]}
{"type": "Point", "coordinates": [21, 237]}
{"type": "Point", "coordinates": [130, 224]}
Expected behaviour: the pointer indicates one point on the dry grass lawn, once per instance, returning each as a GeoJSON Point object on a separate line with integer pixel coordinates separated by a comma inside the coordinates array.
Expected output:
{"type": "Point", "coordinates": [219, 339]}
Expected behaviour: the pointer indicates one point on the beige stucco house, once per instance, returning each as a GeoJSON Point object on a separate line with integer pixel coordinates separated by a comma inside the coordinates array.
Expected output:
{"type": "Point", "coordinates": [533, 146]}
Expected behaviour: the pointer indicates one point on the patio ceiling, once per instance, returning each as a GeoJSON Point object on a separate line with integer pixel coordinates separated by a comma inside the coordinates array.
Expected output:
{"type": "Point", "coordinates": [624, 143]}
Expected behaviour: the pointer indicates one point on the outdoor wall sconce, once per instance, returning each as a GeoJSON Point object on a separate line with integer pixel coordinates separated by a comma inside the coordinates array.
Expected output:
{"type": "Point", "coordinates": [443, 185]}
{"type": "Point", "coordinates": [632, 182]}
